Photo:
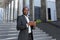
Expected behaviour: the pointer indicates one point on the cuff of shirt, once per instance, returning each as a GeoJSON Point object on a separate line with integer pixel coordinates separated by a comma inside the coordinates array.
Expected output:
{"type": "Point", "coordinates": [27, 25]}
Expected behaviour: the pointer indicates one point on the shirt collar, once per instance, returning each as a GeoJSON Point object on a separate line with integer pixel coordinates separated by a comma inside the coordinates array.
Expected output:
{"type": "Point", "coordinates": [26, 16]}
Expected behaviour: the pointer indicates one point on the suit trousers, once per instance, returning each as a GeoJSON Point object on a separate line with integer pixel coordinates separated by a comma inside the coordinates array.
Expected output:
{"type": "Point", "coordinates": [30, 36]}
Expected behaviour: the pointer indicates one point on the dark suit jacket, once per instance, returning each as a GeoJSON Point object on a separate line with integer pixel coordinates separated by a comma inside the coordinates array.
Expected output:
{"type": "Point", "coordinates": [21, 25]}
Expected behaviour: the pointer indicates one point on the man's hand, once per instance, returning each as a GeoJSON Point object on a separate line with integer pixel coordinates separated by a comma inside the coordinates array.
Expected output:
{"type": "Point", "coordinates": [32, 23]}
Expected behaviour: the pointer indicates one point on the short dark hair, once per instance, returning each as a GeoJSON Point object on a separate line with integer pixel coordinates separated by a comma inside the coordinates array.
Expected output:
{"type": "Point", "coordinates": [24, 8]}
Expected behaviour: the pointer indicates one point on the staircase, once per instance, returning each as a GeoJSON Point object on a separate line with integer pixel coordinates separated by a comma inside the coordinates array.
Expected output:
{"type": "Point", "coordinates": [8, 32]}
{"type": "Point", "coordinates": [40, 35]}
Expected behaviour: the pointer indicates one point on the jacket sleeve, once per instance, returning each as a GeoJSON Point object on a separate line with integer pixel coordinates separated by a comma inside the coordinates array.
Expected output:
{"type": "Point", "coordinates": [20, 26]}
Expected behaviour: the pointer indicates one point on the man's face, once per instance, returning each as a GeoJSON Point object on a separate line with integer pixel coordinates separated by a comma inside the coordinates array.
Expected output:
{"type": "Point", "coordinates": [25, 11]}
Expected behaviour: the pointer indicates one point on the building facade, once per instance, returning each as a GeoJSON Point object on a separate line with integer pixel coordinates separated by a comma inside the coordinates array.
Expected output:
{"type": "Point", "coordinates": [46, 10]}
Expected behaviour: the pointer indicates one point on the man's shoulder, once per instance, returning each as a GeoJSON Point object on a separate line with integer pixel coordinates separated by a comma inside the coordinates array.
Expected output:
{"type": "Point", "coordinates": [20, 16]}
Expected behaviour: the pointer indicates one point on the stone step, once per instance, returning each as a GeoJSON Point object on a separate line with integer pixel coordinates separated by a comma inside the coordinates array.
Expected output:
{"type": "Point", "coordinates": [37, 30]}
{"type": "Point", "coordinates": [7, 26]}
{"type": "Point", "coordinates": [43, 38]}
{"type": "Point", "coordinates": [7, 23]}
{"type": "Point", "coordinates": [11, 38]}
{"type": "Point", "coordinates": [3, 37]}
{"type": "Point", "coordinates": [53, 39]}
{"type": "Point", "coordinates": [40, 35]}
{"type": "Point", "coordinates": [8, 32]}
{"type": "Point", "coordinates": [35, 33]}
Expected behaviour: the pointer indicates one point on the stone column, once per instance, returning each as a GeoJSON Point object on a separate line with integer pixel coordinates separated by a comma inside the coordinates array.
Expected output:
{"type": "Point", "coordinates": [15, 9]}
{"type": "Point", "coordinates": [4, 14]}
{"type": "Point", "coordinates": [9, 6]}
{"type": "Point", "coordinates": [31, 9]}
{"type": "Point", "coordinates": [7, 12]}
{"type": "Point", "coordinates": [24, 3]}
{"type": "Point", "coordinates": [43, 10]}
{"type": "Point", "coordinates": [12, 10]}
{"type": "Point", "coordinates": [58, 9]}
{"type": "Point", "coordinates": [20, 7]}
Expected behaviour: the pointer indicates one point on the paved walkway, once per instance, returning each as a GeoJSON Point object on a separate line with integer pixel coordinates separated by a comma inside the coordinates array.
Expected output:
{"type": "Point", "coordinates": [52, 30]}
{"type": "Point", "coordinates": [55, 23]}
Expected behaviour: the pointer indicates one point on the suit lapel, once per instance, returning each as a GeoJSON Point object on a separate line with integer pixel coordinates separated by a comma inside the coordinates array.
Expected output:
{"type": "Point", "coordinates": [24, 18]}
{"type": "Point", "coordinates": [30, 19]}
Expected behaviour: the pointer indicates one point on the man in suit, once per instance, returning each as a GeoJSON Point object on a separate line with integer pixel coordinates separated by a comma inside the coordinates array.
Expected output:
{"type": "Point", "coordinates": [24, 24]}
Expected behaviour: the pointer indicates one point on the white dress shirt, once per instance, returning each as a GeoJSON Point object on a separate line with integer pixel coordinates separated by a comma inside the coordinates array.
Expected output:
{"type": "Point", "coordinates": [29, 28]}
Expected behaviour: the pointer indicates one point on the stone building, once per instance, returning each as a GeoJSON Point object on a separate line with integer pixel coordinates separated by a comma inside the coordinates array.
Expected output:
{"type": "Point", "coordinates": [46, 10]}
